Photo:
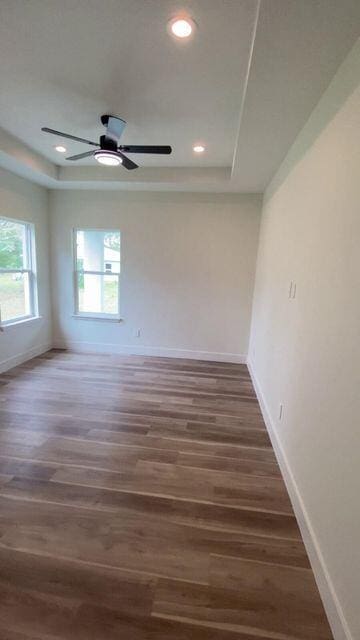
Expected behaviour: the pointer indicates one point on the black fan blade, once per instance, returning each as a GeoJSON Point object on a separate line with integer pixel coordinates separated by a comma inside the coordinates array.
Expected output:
{"type": "Point", "coordinates": [67, 135]}
{"type": "Point", "coordinates": [115, 127]}
{"type": "Point", "coordinates": [79, 156]}
{"type": "Point", "coordinates": [143, 148]}
{"type": "Point", "coordinates": [126, 162]}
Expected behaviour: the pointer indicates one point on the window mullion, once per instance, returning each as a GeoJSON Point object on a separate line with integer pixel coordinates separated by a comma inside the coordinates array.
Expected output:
{"type": "Point", "coordinates": [14, 270]}
{"type": "Point", "coordinates": [97, 273]}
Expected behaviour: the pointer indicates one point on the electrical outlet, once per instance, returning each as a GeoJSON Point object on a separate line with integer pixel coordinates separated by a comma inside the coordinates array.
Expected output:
{"type": "Point", "coordinates": [280, 411]}
{"type": "Point", "coordinates": [137, 333]}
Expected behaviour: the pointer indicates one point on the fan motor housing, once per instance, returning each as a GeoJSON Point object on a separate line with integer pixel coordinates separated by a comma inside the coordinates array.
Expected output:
{"type": "Point", "coordinates": [108, 144]}
{"type": "Point", "coordinates": [104, 120]}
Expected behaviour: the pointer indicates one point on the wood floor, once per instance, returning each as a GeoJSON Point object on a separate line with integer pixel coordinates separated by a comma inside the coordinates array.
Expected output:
{"type": "Point", "coordinates": [140, 499]}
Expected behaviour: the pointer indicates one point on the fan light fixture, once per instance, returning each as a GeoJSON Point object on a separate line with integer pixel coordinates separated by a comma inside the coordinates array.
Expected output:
{"type": "Point", "coordinates": [109, 158]}
{"type": "Point", "coordinates": [181, 27]}
{"type": "Point", "coordinates": [60, 148]}
{"type": "Point", "coordinates": [108, 151]}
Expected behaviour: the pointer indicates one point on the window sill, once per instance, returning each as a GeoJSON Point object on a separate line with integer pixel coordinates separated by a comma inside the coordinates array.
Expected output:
{"type": "Point", "coordinates": [16, 323]}
{"type": "Point", "coordinates": [78, 316]}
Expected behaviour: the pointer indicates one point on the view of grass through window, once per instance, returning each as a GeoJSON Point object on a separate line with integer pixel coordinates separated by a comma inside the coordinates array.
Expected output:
{"type": "Point", "coordinates": [88, 288]}
{"type": "Point", "coordinates": [13, 296]}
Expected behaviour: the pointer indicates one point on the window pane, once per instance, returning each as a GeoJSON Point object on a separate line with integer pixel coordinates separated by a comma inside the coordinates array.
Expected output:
{"type": "Point", "coordinates": [14, 295]}
{"type": "Point", "coordinates": [112, 251]}
{"type": "Point", "coordinates": [79, 250]}
{"type": "Point", "coordinates": [12, 245]}
{"type": "Point", "coordinates": [98, 250]}
{"type": "Point", "coordinates": [98, 294]}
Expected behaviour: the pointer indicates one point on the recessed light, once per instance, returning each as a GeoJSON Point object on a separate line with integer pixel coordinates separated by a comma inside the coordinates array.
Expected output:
{"type": "Point", "coordinates": [60, 148]}
{"type": "Point", "coordinates": [181, 27]}
{"type": "Point", "coordinates": [109, 158]}
{"type": "Point", "coordinates": [198, 148]}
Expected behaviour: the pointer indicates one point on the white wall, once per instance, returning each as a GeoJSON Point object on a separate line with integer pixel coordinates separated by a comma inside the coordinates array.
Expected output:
{"type": "Point", "coordinates": [187, 273]}
{"type": "Point", "coordinates": [23, 200]}
{"type": "Point", "coordinates": [305, 353]}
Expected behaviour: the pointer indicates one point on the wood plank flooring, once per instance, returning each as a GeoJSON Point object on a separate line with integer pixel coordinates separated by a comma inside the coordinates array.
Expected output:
{"type": "Point", "coordinates": [140, 499]}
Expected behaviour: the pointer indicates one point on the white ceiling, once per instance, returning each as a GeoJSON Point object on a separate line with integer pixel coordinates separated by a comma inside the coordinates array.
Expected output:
{"type": "Point", "coordinates": [243, 85]}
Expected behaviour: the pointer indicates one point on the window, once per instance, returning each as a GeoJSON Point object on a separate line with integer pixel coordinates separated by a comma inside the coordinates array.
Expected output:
{"type": "Point", "coordinates": [17, 271]}
{"type": "Point", "coordinates": [97, 273]}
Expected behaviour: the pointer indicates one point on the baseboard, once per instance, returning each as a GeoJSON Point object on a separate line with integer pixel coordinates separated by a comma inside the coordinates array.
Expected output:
{"type": "Point", "coordinates": [19, 358]}
{"type": "Point", "coordinates": [161, 352]}
{"type": "Point", "coordinates": [330, 600]}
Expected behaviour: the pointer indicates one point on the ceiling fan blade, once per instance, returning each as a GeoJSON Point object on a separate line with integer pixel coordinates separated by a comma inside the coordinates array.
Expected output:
{"type": "Point", "coordinates": [79, 156]}
{"type": "Point", "coordinates": [143, 148]}
{"type": "Point", "coordinates": [67, 135]}
{"type": "Point", "coordinates": [115, 127]}
{"type": "Point", "coordinates": [126, 162]}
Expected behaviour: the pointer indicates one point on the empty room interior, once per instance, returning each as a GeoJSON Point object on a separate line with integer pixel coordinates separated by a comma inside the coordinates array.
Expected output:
{"type": "Point", "coordinates": [179, 319]}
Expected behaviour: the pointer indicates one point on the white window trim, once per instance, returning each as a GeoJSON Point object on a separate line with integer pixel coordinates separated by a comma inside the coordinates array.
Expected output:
{"type": "Point", "coordinates": [30, 270]}
{"type": "Point", "coordinates": [89, 315]}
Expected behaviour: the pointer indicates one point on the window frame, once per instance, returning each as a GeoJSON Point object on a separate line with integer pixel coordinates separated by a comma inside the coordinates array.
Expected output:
{"type": "Point", "coordinates": [93, 315]}
{"type": "Point", "coordinates": [30, 261]}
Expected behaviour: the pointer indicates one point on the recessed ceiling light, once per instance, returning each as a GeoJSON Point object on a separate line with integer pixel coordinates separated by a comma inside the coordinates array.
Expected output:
{"type": "Point", "coordinates": [109, 158]}
{"type": "Point", "coordinates": [60, 148]}
{"type": "Point", "coordinates": [182, 27]}
{"type": "Point", "coordinates": [198, 148]}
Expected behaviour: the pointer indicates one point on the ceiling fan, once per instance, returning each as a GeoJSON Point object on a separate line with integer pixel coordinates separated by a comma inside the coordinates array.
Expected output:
{"type": "Point", "coordinates": [109, 151]}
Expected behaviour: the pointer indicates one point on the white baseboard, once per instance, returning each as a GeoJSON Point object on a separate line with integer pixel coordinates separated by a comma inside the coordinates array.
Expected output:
{"type": "Point", "coordinates": [19, 358]}
{"type": "Point", "coordinates": [161, 352]}
{"type": "Point", "coordinates": [330, 600]}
